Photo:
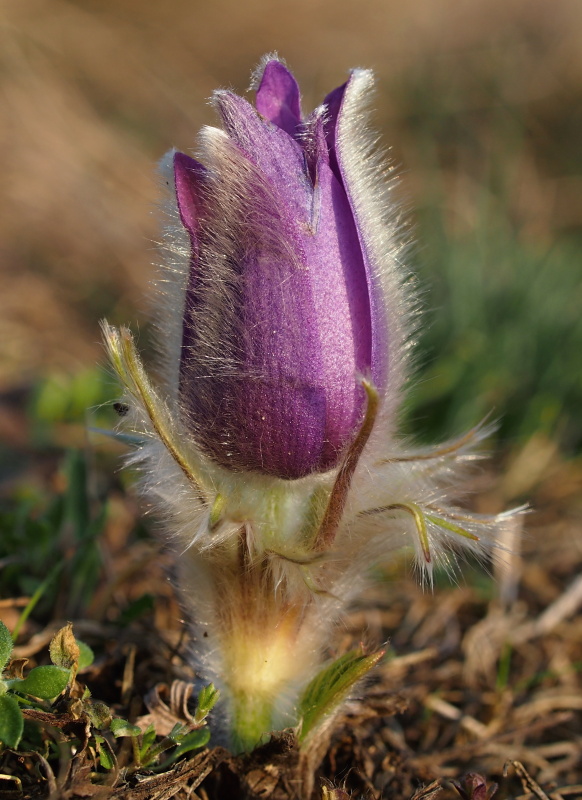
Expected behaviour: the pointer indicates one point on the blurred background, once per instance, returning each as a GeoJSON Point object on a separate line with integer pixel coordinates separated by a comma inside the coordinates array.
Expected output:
{"type": "Point", "coordinates": [479, 101]}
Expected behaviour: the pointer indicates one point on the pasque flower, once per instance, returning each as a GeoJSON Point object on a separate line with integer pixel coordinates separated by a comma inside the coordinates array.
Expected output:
{"type": "Point", "coordinates": [268, 444]}
{"type": "Point", "coordinates": [282, 317]}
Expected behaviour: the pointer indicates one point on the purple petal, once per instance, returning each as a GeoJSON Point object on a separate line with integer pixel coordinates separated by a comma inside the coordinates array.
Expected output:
{"type": "Point", "coordinates": [278, 324]}
{"type": "Point", "coordinates": [277, 155]}
{"type": "Point", "coordinates": [189, 176]}
{"type": "Point", "coordinates": [340, 279]}
{"type": "Point", "coordinates": [306, 336]}
{"type": "Point", "coordinates": [333, 103]}
{"type": "Point", "coordinates": [341, 309]}
{"type": "Point", "coordinates": [285, 397]}
{"type": "Point", "coordinates": [277, 97]}
{"type": "Point", "coordinates": [338, 155]}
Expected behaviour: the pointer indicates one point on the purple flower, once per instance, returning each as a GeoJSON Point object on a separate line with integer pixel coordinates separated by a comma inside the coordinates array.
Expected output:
{"type": "Point", "coordinates": [283, 287]}
{"type": "Point", "coordinates": [280, 318]}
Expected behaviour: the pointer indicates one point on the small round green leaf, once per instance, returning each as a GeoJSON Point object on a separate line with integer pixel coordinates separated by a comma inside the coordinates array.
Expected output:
{"type": "Point", "coordinates": [6, 645]}
{"type": "Point", "coordinates": [99, 713]}
{"type": "Point", "coordinates": [121, 727]}
{"type": "Point", "coordinates": [11, 721]}
{"type": "Point", "coordinates": [43, 682]}
{"type": "Point", "coordinates": [86, 655]}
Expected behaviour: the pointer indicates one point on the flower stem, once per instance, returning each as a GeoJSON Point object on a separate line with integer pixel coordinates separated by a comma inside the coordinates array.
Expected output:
{"type": "Point", "coordinates": [251, 720]}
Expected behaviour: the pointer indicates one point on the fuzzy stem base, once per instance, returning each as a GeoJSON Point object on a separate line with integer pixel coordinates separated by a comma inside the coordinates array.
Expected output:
{"type": "Point", "coordinates": [252, 716]}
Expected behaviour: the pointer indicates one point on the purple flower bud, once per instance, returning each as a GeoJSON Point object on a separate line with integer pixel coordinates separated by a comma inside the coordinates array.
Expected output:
{"type": "Point", "coordinates": [279, 319]}
{"type": "Point", "coordinates": [283, 287]}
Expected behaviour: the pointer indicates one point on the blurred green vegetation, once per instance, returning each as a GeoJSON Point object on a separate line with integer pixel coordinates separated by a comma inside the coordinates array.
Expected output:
{"type": "Point", "coordinates": [504, 335]}
{"type": "Point", "coordinates": [49, 544]}
{"type": "Point", "coordinates": [502, 330]}
{"type": "Point", "coordinates": [498, 262]}
{"type": "Point", "coordinates": [84, 397]}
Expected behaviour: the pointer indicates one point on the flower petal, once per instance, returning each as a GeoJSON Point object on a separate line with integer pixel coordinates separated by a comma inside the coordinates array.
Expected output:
{"type": "Point", "coordinates": [353, 160]}
{"type": "Point", "coordinates": [314, 141]}
{"type": "Point", "coordinates": [277, 155]}
{"type": "Point", "coordinates": [290, 324]}
{"type": "Point", "coordinates": [189, 176]}
{"type": "Point", "coordinates": [277, 97]}
{"type": "Point", "coordinates": [279, 321]}
{"type": "Point", "coordinates": [333, 104]}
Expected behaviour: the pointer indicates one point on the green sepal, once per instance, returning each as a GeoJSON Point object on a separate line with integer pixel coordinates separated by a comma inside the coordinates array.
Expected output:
{"type": "Point", "coordinates": [216, 511]}
{"type": "Point", "coordinates": [129, 439]}
{"type": "Point", "coordinates": [11, 721]}
{"type": "Point", "coordinates": [6, 645]}
{"type": "Point", "coordinates": [330, 687]}
{"type": "Point", "coordinates": [43, 682]}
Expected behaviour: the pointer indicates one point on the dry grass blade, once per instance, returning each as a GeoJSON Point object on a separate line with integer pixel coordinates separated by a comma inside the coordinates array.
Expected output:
{"type": "Point", "coordinates": [187, 774]}
{"type": "Point", "coordinates": [528, 783]}
{"type": "Point", "coordinates": [428, 792]}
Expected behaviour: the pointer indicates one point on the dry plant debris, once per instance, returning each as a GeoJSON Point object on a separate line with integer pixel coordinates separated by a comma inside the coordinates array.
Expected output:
{"type": "Point", "coordinates": [473, 692]}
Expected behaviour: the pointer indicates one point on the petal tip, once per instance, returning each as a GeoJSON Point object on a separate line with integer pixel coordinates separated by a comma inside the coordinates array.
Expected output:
{"type": "Point", "coordinates": [188, 174]}
{"type": "Point", "coordinates": [259, 71]}
{"type": "Point", "coordinates": [277, 94]}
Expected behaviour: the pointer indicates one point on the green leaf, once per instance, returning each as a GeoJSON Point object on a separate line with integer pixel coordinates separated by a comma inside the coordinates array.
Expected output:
{"type": "Point", "coordinates": [44, 682]}
{"type": "Point", "coordinates": [177, 732]}
{"type": "Point", "coordinates": [121, 727]}
{"type": "Point", "coordinates": [99, 713]}
{"type": "Point", "coordinates": [192, 741]}
{"type": "Point", "coordinates": [11, 721]}
{"type": "Point", "coordinates": [330, 687]}
{"type": "Point", "coordinates": [206, 702]}
{"type": "Point", "coordinates": [39, 592]}
{"type": "Point", "coordinates": [106, 757]}
{"type": "Point", "coordinates": [86, 655]}
{"type": "Point", "coordinates": [148, 738]}
{"type": "Point", "coordinates": [6, 645]}
{"type": "Point", "coordinates": [77, 494]}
